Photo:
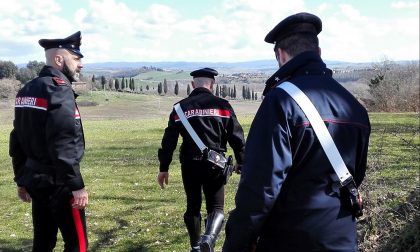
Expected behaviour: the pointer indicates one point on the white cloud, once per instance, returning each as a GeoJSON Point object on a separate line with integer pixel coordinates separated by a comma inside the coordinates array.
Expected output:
{"type": "Point", "coordinates": [349, 36]}
{"type": "Point", "coordinates": [10, 9]}
{"type": "Point", "coordinates": [115, 31]}
{"type": "Point", "coordinates": [405, 5]}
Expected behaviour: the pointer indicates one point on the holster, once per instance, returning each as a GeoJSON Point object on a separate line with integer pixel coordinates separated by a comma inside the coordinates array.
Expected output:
{"type": "Point", "coordinates": [216, 158]}
{"type": "Point", "coordinates": [219, 160]}
{"type": "Point", "coordinates": [356, 202]}
{"type": "Point", "coordinates": [352, 196]}
{"type": "Point", "coordinates": [228, 170]}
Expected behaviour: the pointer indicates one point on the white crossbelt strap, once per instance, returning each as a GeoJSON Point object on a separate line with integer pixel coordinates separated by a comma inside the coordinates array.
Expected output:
{"type": "Point", "coordinates": [321, 131]}
{"type": "Point", "coordinates": [189, 128]}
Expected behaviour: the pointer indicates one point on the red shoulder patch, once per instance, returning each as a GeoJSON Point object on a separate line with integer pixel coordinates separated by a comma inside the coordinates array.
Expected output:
{"type": "Point", "coordinates": [59, 81]}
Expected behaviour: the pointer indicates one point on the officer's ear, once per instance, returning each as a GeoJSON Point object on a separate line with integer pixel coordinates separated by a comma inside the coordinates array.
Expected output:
{"type": "Point", "coordinates": [212, 84]}
{"type": "Point", "coordinates": [59, 60]}
{"type": "Point", "coordinates": [193, 84]}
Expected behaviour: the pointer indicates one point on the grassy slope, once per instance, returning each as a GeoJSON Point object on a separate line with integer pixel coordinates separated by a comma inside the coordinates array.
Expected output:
{"type": "Point", "coordinates": [129, 212]}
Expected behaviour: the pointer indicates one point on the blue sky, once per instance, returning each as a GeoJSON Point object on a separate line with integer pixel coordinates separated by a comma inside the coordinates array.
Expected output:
{"type": "Point", "coordinates": [216, 30]}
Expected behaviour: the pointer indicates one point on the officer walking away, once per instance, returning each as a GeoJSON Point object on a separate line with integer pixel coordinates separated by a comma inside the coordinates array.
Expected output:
{"type": "Point", "coordinates": [47, 145]}
{"type": "Point", "coordinates": [289, 198]}
{"type": "Point", "coordinates": [215, 123]}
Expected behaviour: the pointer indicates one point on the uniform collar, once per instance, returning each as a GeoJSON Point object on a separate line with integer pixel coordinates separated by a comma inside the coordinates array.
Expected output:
{"type": "Point", "coordinates": [294, 67]}
{"type": "Point", "coordinates": [53, 72]}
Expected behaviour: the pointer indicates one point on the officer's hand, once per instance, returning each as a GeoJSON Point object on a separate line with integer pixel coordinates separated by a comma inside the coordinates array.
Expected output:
{"type": "Point", "coordinates": [162, 178]}
{"type": "Point", "coordinates": [237, 168]}
{"type": "Point", "coordinates": [80, 199]}
{"type": "Point", "coordinates": [23, 194]}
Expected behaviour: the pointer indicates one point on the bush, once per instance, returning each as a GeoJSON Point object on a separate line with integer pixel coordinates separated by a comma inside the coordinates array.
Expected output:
{"type": "Point", "coordinates": [395, 87]}
{"type": "Point", "coordinates": [9, 88]}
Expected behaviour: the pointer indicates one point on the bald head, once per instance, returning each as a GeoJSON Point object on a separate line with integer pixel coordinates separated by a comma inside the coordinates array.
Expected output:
{"type": "Point", "coordinates": [55, 57]}
{"type": "Point", "coordinates": [203, 82]}
{"type": "Point", "coordinates": [65, 61]}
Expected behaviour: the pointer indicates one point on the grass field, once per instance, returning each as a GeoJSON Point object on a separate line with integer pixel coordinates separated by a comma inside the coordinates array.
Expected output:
{"type": "Point", "coordinates": [129, 212]}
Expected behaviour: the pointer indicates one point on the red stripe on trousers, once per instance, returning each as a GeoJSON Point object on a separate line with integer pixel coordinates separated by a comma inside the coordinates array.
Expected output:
{"type": "Point", "coordinates": [79, 229]}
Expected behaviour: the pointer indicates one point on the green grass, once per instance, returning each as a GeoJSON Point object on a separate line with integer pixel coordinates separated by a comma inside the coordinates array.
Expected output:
{"type": "Point", "coordinates": [129, 212]}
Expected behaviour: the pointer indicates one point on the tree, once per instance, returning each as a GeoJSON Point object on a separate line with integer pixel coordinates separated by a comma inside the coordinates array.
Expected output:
{"type": "Point", "coordinates": [165, 86]}
{"type": "Point", "coordinates": [243, 92]}
{"type": "Point", "coordinates": [8, 70]}
{"type": "Point", "coordinates": [147, 87]}
{"type": "Point", "coordinates": [93, 79]}
{"type": "Point", "coordinates": [117, 84]}
{"type": "Point", "coordinates": [35, 66]}
{"type": "Point", "coordinates": [29, 72]}
{"type": "Point", "coordinates": [176, 89]}
{"type": "Point", "coordinates": [160, 88]}
{"type": "Point", "coordinates": [188, 89]}
{"type": "Point", "coordinates": [394, 87]}
{"type": "Point", "coordinates": [122, 87]}
{"type": "Point", "coordinates": [217, 90]}
{"type": "Point", "coordinates": [111, 84]}
{"type": "Point", "coordinates": [132, 86]}
{"type": "Point", "coordinates": [252, 95]}
{"type": "Point", "coordinates": [224, 91]}
{"type": "Point", "coordinates": [103, 82]}
{"type": "Point", "coordinates": [24, 75]}
{"type": "Point", "coordinates": [234, 92]}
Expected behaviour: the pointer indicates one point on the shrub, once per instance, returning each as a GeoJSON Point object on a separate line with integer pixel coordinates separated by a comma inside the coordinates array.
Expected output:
{"type": "Point", "coordinates": [9, 88]}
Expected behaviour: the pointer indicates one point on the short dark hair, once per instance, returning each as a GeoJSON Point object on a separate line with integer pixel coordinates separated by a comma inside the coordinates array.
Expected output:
{"type": "Point", "coordinates": [298, 43]}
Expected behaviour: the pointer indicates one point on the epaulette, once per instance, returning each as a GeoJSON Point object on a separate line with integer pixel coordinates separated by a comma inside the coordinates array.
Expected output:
{"type": "Point", "coordinates": [58, 81]}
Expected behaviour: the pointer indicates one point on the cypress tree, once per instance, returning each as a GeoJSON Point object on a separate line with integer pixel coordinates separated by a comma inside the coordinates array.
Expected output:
{"type": "Point", "coordinates": [165, 86]}
{"type": "Point", "coordinates": [188, 89]}
{"type": "Point", "coordinates": [117, 84]}
{"type": "Point", "coordinates": [176, 89]}
{"type": "Point", "coordinates": [103, 81]}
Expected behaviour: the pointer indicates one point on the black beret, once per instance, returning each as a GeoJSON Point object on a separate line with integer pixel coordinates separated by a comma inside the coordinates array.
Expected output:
{"type": "Point", "coordinates": [298, 23]}
{"type": "Point", "coordinates": [204, 72]}
{"type": "Point", "coordinates": [71, 43]}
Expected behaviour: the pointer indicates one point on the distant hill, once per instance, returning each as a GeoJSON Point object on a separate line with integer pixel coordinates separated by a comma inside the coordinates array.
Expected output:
{"type": "Point", "coordinates": [246, 66]}
{"type": "Point", "coordinates": [268, 67]}
{"type": "Point", "coordinates": [184, 65]}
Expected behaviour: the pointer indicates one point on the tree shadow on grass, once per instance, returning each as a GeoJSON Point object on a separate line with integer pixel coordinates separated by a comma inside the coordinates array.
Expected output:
{"type": "Point", "coordinates": [392, 228]}
{"type": "Point", "coordinates": [8, 246]}
{"type": "Point", "coordinates": [407, 238]}
{"type": "Point", "coordinates": [107, 238]}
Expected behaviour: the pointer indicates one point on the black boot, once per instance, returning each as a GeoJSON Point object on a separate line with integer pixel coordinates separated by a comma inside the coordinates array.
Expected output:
{"type": "Point", "coordinates": [213, 227]}
{"type": "Point", "coordinates": [193, 224]}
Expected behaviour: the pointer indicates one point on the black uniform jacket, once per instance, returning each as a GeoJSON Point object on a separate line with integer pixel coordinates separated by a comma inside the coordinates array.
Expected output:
{"type": "Point", "coordinates": [47, 142]}
{"type": "Point", "coordinates": [288, 195]}
{"type": "Point", "coordinates": [214, 121]}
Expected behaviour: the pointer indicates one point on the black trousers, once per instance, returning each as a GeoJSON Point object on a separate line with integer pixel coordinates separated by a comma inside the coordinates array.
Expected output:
{"type": "Point", "coordinates": [198, 177]}
{"type": "Point", "coordinates": [52, 211]}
